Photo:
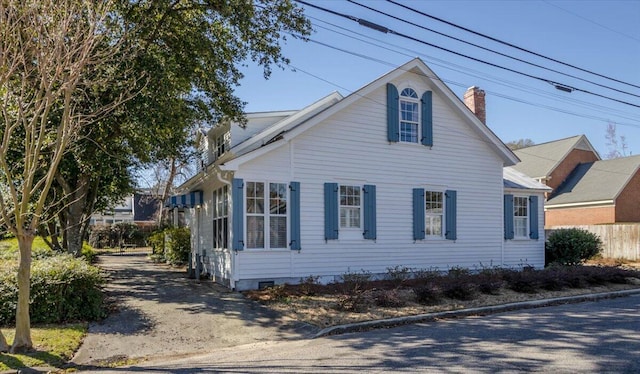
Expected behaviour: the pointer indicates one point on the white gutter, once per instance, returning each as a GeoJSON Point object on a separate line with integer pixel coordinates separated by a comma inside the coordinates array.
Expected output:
{"type": "Point", "coordinates": [589, 203]}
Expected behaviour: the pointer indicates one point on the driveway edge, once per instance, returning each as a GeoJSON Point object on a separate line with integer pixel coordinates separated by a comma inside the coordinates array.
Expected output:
{"type": "Point", "coordinates": [396, 321]}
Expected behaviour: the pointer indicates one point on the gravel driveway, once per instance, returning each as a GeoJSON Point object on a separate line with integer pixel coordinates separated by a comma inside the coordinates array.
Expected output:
{"type": "Point", "coordinates": [162, 313]}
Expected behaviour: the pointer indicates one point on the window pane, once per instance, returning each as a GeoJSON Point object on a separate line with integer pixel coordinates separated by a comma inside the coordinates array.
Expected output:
{"type": "Point", "coordinates": [255, 232]}
{"type": "Point", "coordinates": [434, 225]}
{"type": "Point", "coordinates": [408, 92]}
{"type": "Point", "coordinates": [520, 226]}
{"type": "Point", "coordinates": [278, 232]}
{"type": "Point", "coordinates": [350, 200]}
{"type": "Point", "coordinates": [225, 202]}
{"type": "Point", "coordinates": [278, 198]}
{"type": "Point", "coordinates": [408, 132]}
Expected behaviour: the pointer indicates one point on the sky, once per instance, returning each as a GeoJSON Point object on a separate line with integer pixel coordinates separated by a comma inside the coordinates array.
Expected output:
{"type": "Point", "coordinates": [599, 36]}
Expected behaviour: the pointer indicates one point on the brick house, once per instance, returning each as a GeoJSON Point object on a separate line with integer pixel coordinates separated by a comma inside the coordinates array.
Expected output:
{"type": "Point", "coordinates": [586, 189]}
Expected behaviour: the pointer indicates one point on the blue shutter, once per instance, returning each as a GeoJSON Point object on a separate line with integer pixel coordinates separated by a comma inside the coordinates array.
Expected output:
{"type": "Point", "coordinates": [427, 119]}
{"type": "Point", "coordinates": [330, 211]}
{"type": "Point", "coordinates": [294, 209]}
{"type": "Point", "coordinates": [393, 113]}
{"type": "Point", "coordinates": [237, 200]}
{"type": "Point", "coordinates": [508, 217]}
{"type": "Point", "coordinates": [418, 213]}
{"type": "Point", "coordinates": [369, 212]}
{"type": "Point", "coordinates": [451, 218]}
{"type": "Point", "coordinates": [533, 217]}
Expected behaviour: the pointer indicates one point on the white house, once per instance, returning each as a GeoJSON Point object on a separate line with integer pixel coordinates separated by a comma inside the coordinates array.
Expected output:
{"type": "Point", "coordinates": [399, 173]}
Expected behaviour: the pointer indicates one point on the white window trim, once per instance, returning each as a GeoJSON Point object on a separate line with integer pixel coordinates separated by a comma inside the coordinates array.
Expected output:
{"type": "Point", "coordinates": [267, 217]}
{"type": "Point", "coordinates": [444, 213]}
{"type": "Point", "coordinates": [418, 122]}
{"type": "Point", "coordinates": [360, 188]}
{"type": "Point", "coordinates": [219, 214]}
{"type": "Point", "coordinates": [526, 225]}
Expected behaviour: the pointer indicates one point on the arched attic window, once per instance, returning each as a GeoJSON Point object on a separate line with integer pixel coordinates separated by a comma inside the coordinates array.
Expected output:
{"type": "Point", "coordinates": [409, 116]}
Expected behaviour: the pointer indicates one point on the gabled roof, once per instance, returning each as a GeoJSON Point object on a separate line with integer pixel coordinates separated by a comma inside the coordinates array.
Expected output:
{"type": "Point", "coordinates": [417, 66]}
{"type": "Point", "coordinates": [513, 179]}
{"type": "Point", "coordinates": [596, 182]}
{"type": "Point", "coordinates": [291, 120]}
{"type": "Point", "coordinates": [540, 160]}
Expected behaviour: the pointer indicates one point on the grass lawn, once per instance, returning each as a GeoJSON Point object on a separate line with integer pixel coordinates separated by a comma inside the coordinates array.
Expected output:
{"type": "Point", "coordinates": [54, 346]}
{"type": "Point", "coordinates": [9, 248]}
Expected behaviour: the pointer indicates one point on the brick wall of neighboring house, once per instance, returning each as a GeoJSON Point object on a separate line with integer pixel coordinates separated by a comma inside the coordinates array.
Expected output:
{"type": "Point", "coordinates": [566, 166]}
{"type": "Point", "coordinates": [628, 202]}
{"type": "Point", "coordinates": [579, 216]}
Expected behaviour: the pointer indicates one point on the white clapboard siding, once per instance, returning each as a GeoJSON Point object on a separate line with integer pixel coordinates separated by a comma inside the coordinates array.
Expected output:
{"type": "Point", "coordinates": [217, 262]}
{"type": "Point", "coordinates": [256, 122]}
{"type": "Point", "coordinates": [527, 252]}
{"type": "Point", "coordinates": [351, 147]}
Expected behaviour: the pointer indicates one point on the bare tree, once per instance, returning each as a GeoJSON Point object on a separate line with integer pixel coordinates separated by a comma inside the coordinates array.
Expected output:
{"type": "Point", "coordinates": [617, 145]}
{"type": "Point", "coordinates": [48, 50]}
{"type": "Point", "coordinates": [520, 143]}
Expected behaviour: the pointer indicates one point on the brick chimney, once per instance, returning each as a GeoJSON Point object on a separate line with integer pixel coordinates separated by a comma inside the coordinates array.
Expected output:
{"type": "Point", "coordinates": [474, 100]}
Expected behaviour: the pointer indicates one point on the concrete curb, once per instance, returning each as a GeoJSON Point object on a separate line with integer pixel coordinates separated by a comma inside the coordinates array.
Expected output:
{"type": "Point", "coordinates": [397, 321]}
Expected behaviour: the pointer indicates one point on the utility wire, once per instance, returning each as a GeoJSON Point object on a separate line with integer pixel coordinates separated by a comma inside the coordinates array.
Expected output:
{"type": "Point", "coordinates": [383, 29]}
{"type": "Point", "coordinates": [507, 97]}
{"type": "Point", "coordinates": [470, 72]}
{"type": "Point", "coordinates": [461, 133]}
{"type": "Point", "coordinates": [492, 50]}
{"type": "Point", "coordinates": [591, 21]}
{"type": "Point", "coordinates": [507, 43]}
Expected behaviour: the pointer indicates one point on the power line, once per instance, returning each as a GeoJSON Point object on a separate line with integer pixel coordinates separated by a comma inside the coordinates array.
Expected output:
{"type": "Point", "coordinates": [460, 69]}
{"type": "Point", "coordinates": [560, 86]}
{"type": "Point", "coordinates": [476, 137]}
{"type": "Point", "coordinates": [591, 21]}
{"type": "Point", "coordinates": [507, 97]}
{"type": "Point", "coordinates": [507, 43]}
{"type": "Point", "coordinates": [492, 50]}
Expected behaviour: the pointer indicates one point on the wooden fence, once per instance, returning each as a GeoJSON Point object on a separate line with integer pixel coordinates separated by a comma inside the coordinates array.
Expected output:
{"type": "Point", "coordinates": [619, 240]}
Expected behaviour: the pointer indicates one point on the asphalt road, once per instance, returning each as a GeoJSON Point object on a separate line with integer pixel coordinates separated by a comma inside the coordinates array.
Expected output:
{"type": "Point", "coordinates": [594, 337]}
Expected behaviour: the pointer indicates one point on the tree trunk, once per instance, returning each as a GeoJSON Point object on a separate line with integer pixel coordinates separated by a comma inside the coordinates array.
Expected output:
{"type": "Point", "coordinates": [74, 236]}
{"type": "Point", "coordinates": [4, 347]}
{"type": "Point", "coordinates": [167, 189]}
{"type": "Point", "coordinates": [22, 341]}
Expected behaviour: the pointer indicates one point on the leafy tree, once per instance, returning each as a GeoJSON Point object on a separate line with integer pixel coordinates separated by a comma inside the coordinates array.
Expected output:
{"type": "Point", "coordinates": [51, 52]}
{"type": "Point", "coordinates": [520, 143]}
{"type": "Point", "coordinates": [188, 53]}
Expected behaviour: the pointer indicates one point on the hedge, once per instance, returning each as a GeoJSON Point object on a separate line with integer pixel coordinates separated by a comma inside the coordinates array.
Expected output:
{"type": "Point", "coordinates": [63, 289]}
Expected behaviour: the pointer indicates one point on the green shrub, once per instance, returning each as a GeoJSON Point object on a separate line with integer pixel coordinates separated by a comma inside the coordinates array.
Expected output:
{"type": "Point", "coordinates": [571, 246]}
{"type": "Point", "coordinates": [156, 241]}
{"type": "Point", "coordinates": [177, 245]}
{"type": "Point", "coordinates": [63, 289]}
{"type": "Point", "coordinates": [88, 253]}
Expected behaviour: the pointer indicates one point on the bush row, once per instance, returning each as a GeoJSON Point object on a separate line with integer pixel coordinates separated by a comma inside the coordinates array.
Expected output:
{"type": "Point", "coordinates": [358, 290]}
{"type": "Point", "coordinates": [63, 289]}
{"type": "Point", "coordinates": [171, 245]}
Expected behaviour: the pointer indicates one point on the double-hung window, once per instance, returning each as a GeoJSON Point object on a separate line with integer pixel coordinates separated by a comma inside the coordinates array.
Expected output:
{"type": "Point", "coordinates": [266, 214]}
{"type": "Point", "coordinates": [220, 217]}
{"type": "Point", "coordinates": [220, 145]}
{"type": "Point", "coordinates": [435, 214]}
{"type": "Point", "coordinates": [409, 116]}
{"type": "Point", "coordinates": [434, 211]}
{"type": "Point", "coordinates": [521, 216]}
{"type": "Point", "coordinates": [350, 207]}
